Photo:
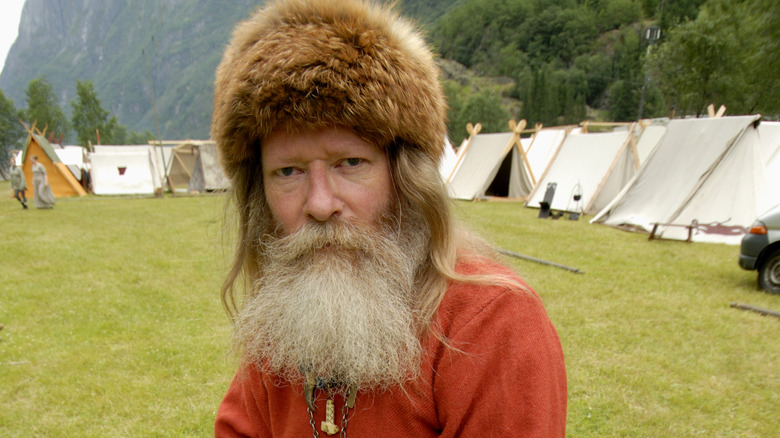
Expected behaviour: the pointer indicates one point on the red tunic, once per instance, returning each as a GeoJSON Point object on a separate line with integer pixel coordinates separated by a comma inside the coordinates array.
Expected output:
{"type": "Point", "coordinates": [502, 375]}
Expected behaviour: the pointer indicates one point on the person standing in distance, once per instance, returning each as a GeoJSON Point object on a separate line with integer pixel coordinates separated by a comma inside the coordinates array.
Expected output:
{"type": "Point", "coordinates": [18, 183]}
{"type": "Point", "coordinates": [43, 197]}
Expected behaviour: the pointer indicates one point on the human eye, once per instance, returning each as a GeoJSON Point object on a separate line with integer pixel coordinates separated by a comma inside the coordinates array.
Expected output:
{"type": "Point", "coordinates": [285, 171]}
{"type": "Point", "coordinates": [351, 162]}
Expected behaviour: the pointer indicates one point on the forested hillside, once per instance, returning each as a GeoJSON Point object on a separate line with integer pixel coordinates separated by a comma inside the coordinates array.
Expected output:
{"type": "Point", "coordinates": [570, 60]}
{"type": "Point", "coordinates": [548, 61]}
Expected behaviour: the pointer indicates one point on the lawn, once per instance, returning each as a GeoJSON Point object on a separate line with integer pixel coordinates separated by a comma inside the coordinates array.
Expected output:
{"type": "Point", "coordinates": [113, 324]}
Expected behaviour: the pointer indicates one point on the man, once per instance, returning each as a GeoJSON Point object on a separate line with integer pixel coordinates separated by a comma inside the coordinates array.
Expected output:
{"type": "Point", "coordinates": [362, 307]}
{"type": "Point", "coordinates": [18, 183]}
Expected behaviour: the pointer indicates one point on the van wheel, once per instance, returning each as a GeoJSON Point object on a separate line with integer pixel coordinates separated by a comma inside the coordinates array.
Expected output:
{"type": "Point", "coordinates": [769, 273]}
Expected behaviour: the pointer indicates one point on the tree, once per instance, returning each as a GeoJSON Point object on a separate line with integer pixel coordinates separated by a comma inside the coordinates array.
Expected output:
{"type": "Point", "coordinates": [618, 12]}
{"type": "Point", "coordinates": [140, 137]}
{"type": "Point", "coordinates": [43, 109]}
{"type": "Point", "coordinates": [766, 59]}
{"type": "Point", "coordinates": [473, 106]}
{"type": "Point", "coordinates": [88, 117]}
{"type": "Point", "coordinates": [597, 69]}
{"type": "Point", "coordinates": [538, 100]}
{"type": "Point", "coordinates": [728, 56]}
{"type": "Point", "coordinates": [624, 93]}
{"type": "Point", "coordinates": [112, 132]}
{"type": "Point", "coordinates": [559, 33]}
{"type": "Point", "coordinates": [456, 128]}
{"type": "Point", "coordinates": [623, 100]}
{"type": "Point", "coordinates": [554, 97]}
{"type": "Point", "coordinates": [485, 107]}
{"type": "Point", "coordinates": [675, 12]}
{"type": "Point", "coordinates": [11, 131]}
{"type": "Point", "coordinates": [762, 26]}
{"type": "Point", "coordinates": [687, 65]}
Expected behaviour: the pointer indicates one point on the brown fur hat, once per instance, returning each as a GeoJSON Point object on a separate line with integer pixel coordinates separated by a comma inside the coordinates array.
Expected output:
{"type": "Point", "coordinates": [305, 64]}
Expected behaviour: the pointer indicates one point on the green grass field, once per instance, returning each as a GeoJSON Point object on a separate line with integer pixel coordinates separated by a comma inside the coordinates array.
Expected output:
{"type": "Point", "coordinates": [114, 327]}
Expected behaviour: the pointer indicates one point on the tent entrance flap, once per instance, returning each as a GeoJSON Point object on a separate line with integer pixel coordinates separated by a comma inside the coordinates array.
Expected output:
{"type": "Point", "coordinates": [500, 184]}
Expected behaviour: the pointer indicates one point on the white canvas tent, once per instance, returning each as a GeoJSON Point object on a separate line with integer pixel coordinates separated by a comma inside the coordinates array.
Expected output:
{"type": "Point", "coordinates": [207, 174]}
{"type": "Point", "coordinates": [769, 133]}
{"type": "Point", "coordinates": [705, 170]}
{"type": "Point", "coordinates": [649, 136]}
{"type": "Point", "coordinates": [540, 147]}
{"type": "Point", "coordinates": [72, 157]}
{"type": "Point", "coordinates": [490, 165]}
{"type": "Point", "coordinates": [595, 166]}
{"type": "Point", "coordinates": [122, 173]}
{"type": "Point", "coordinates": [156, 161]}
{"type": "Point", "coordinates": [448, 160]}
{"type": "Point", "coordinates": [182, 165]}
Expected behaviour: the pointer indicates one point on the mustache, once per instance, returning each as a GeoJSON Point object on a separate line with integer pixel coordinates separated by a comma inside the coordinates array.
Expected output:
{"type": "Point", "coordinates": [335, 235]}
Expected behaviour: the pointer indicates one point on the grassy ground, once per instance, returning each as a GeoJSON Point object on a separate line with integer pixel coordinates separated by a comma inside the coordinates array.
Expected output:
{"type": "Point", "coordinates": [113, 325]}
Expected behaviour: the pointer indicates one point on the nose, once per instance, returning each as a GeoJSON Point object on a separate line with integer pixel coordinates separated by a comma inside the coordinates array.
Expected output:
{"type": "Point", "coordinates": [322, 201]}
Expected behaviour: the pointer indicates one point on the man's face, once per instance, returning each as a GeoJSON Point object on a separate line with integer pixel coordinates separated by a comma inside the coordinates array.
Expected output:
{"type": "Point", "coordinates": [346, 312]}
{"type": "Point", "coordinates": [317, 175]}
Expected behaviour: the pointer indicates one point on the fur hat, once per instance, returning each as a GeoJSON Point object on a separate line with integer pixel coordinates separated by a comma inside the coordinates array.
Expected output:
{"type": "Point", "coordinates": [305, 64]}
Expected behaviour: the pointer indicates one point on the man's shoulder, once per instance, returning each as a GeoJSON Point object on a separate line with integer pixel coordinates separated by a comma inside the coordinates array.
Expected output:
{"type": "Point", "coordinates": [497, 290]}
{"type": "Point", "coordinates": [481, 265]}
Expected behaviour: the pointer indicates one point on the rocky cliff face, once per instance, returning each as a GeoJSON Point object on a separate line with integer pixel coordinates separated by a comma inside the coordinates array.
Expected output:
{"type": "Point", "coordinates": [128, 48]}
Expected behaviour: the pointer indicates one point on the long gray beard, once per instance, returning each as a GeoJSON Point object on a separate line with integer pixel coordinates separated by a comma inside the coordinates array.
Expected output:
{"type": "Point", "coordinates": [338, 301]}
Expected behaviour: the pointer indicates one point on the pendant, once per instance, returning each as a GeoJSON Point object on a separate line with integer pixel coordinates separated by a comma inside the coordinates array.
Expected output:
{"type": "Point", "coordinates": [352, 394]}
{"type": "Point", "coordinates": [329, 425]}
{"type": "Point", "coordinates": [308, 391]}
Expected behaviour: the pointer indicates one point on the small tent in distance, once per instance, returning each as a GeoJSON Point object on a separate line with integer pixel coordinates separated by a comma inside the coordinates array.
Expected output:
{"type": "Point", "coordinates": [61, 180]}
{"type": "Point", "coordinates": [196, 159]}
{"type": "Point", "coordinates": [73, 157]}
{"type": "Point", "coordinates": [588, 170]}
{"type": "Point", "coordinates": [541, 145]}
{"type": "Point", "coordinates": [136, 180]}
{"type": "Point", "coordinates": [491, 165]}
{"type": "Point", "coordinates": [182, 165]}
{"type": "Point", "coordinates": [115, 171]}
{"type": "Point", "coordinates": [207, 174]}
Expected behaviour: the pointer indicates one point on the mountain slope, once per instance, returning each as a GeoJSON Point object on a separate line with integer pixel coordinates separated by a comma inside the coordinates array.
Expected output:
{"type": "Point", "coordinates": [110, 42]}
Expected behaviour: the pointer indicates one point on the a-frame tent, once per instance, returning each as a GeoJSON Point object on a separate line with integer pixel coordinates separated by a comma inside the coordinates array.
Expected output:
{"type": "Point", "coordinates": [708, 172]}
{"type": "Point", "coordinates": [540, 147]}
{"type": "Point", "coordinates": [588, 170]}
{"type": "Point", "coordinates": [182, 165]}
{"type": "Point", "coordinates": [207, 174]}
{"type": "Point", "coordinates": [769, 134]}
{"type": "Point", "coordinates": [61, 180]}
{"type": "Point", "coordinates": [448, 160]}
{"type": "Point", "coordinates": [73, 157]}
{"type": "Point", "coordinates": [649, 135]}
{"type": "Point", "coordinates": [491, 165]}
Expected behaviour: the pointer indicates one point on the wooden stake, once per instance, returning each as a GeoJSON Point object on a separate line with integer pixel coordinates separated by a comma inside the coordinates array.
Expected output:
{"type": "Point", "coordinates": [762, 311]}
